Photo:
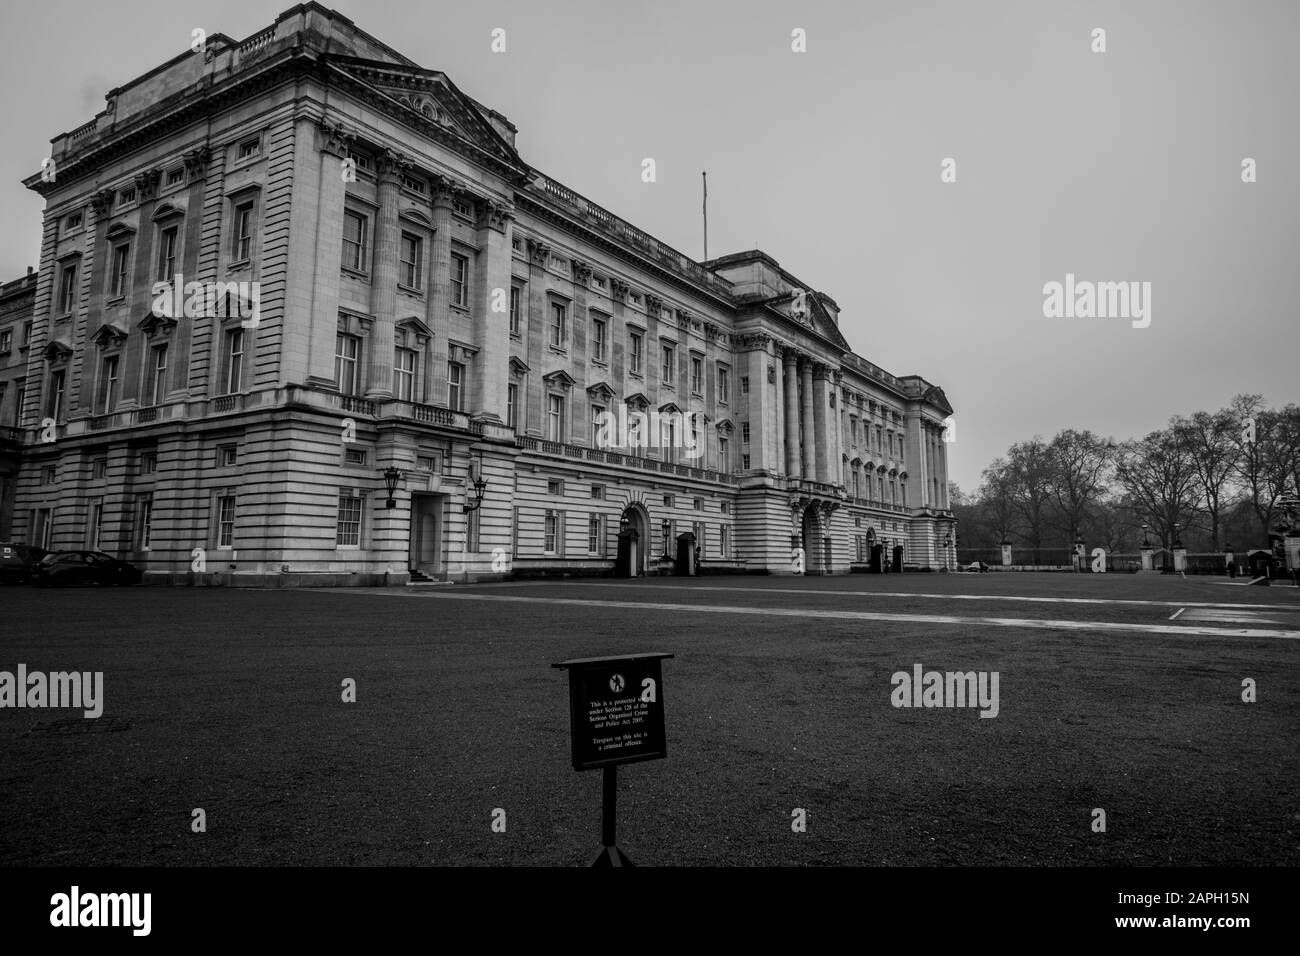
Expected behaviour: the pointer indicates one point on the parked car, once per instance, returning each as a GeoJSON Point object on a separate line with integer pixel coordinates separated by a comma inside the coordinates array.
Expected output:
{"type": "Point", "coordinates": [977, 566]}
{"type": "Point", "coordinates": [17, 561]}
{"type": "Point", "coordinates": [84, 567]}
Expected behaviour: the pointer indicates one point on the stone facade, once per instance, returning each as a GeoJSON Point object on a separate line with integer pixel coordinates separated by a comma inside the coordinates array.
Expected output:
{"type": "Point", "coordinates": [389, 287]}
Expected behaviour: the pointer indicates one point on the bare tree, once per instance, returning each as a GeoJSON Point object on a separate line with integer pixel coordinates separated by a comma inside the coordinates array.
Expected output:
{"type": "Point", "coordinates": [995, 497]}
{"type": "Point", "coordinates": [1029, 465]}
{"type": "Point", "coordinates": [1159, 476]}
{"type": "Point", "coordinates": [1268, 447]}
{"type": "Point", "coordinates": [1079, 461]}
{"type": "Point", "coordinates": [1211, 441]}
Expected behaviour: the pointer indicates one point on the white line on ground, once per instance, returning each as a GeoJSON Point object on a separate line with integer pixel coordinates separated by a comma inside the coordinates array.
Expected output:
{"type": "Point", "coordinates": [958, 597]}
{"type": "Point", "coordinates": [1178, 612]}
{"type": "Point", "coordinates": [860, 615]}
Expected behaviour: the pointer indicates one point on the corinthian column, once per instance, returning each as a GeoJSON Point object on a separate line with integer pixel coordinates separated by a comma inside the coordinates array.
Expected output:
{"type": "Point", "coordinates": [383, 273]}
{"type": "Point", "coordinates": [808, 422]}
{"type": "Point", "coordinates": [789, 365]}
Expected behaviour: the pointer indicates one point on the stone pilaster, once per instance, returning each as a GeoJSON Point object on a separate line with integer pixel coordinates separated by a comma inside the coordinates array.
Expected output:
{"type": "Point", "coordinates": [488, 382]}
{"type": "Point", "coordinates": [808, 421]}
{"type": "Point", "coordinates": [790, 372]}
{"type": "Point", "coordinates": [383, 277]}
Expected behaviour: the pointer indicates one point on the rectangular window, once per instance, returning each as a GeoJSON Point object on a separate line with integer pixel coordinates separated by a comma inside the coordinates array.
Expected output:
{"type": "Point", "coordinates": [594, 536]}
{"type": "Point", "coordinates": [243, 238]}
{"type": "Point", "coordinates": [57, 380]}
{"type": "Point", "coordinates": [144, 521]}
{"type": "Point", "coordinates": [637, 353]}
{"type": "Point", "coordinates": [697, 504]}
{"type": "Point", "coordinates": [667, 365]}
{"type": "Point", "coordinates": [355, 255]}
{"type": "Point", "coordinates": [347, 355]}
{"type": "Point", "coordinates": [73, 222]}
{"type": "Point", "coordinates": [744, 433]}
{"type": "Point", "coordinates": [27, 333]}
{"type": "Point", "coordinates": [512, 405]}
{"type": "Point", "coordinates": [6, 340]}
{"type": "Point", "coordinates": [744, 385]}
{"type": "Point", "coordinates": [455, 386]}
{"type": "Point", "coordinates": [176, 176]}
{"type": "Point", "coordinates": [598, 492]}
{"type": "Point", "coordinates": [668, 501]}
{"type": "Point", "coordinates": [226, 522]}
{"type": "Point", "coordinates": [724, 456]}
{"type": "Point", "coordinates": [99, 468]}
{"type": "Point", "coordinates": [459, 280]}
{"type": "Point", "coordinates": [126, 197]}
{"type": "Point", "coordinates": [48, 475]}
{"type": "Point", "coordinates": [96, 523]}
{"type": "Point", "coordinates": [120, 278]}
{"type": "Point", "coordinates": [349, 523]}
{"type": "Point", "coordinates": [516, 295]}
{"type": "Point", "coordinates": [551, 533]}
{"type": "Point", "coordinates": [724, 385]}
{"type": "Point", "coordinates": [554, 486]}
{"type": "Point", "coordinates": [404, 375]}
{"type": "Point", "coordinates": [724, 540]}
{"type": "Point", "coordinates": [250, 147]}
{"type": "Point", "coordinates": [167, 240]}
{"type": "Point", "coordinates": [599, 332]}
{"type": "Point", "coordinates": [555, 418]}
{"type": "Point", "coordinates": [108, 384]}
{"type": "Point", "coordinates": [744, 462]}
{"type": "Point", "coordinates": [412, 260]}
{"type": "Point", "coordinates": [158, 375]}
{"type": "Point", "coordinates": [148, 463]}
{"type": "Point", "coordinates": [597, 421]}
{"type": "Point", "coordinates": [559, 323]}
{"type": "Point", "coordinates": [67, 289]}
{"type": "Point", "coordinates": [697, 375]}
{"type": "Point", "coordinates": [234, 360]}
{"type": "Point", "coordinates": [354, 456]}
{"type": "Point", "coordinates": [227, 455]}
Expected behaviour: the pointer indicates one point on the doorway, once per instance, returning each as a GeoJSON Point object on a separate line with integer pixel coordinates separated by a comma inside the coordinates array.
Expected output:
{"type": "Point", "coordinates": [427, 521]}
{"type": "Point", "coordinates": [639, 521]}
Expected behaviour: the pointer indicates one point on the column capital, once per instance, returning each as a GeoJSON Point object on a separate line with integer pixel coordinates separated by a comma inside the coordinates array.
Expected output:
{"type": "Point", "coordinates": [495, 215]}
{"type": "Point", "coordinates": [391, 166]}
{"type": "Point", "coordinates": [538, 251]}
{"type": "Point", "coordinates": [618, 289]}
{"type": "Point", "coordinates": [445, 189]}
{"type": "Point", "coordinates": [335, 138]}
{"type": "Point", "coordinates": [755, 340]}
{"type": "Point", "coordinates": [789, 354]}
{"type": "Point", "coordinates": [821, 371]}
{"type": "Point", "coordinates": [102, 202]}
{"type": "Point", "coordinates": [196, 163]}
{"type": "Point", "coordinates": [653, 304]}
{"type": "Point", "coordinates": [581, 270]}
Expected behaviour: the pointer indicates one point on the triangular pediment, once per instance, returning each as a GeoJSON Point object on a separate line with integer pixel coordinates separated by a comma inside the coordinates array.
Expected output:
{"type": "Point", "coordinates": [600, 390]}
{"type": "Point", "coordinates": [636, 400]}
{"type": "Point", "coordinates": [428, 99]}
{"type": "Point", "coordinates": [559, 377]}
{"type": "Point", "coordinates": [108, 334]}
{"type": "Point", "coordinates": [56, 350]}
{"type": "Point", "coordinates": [518, 366]}
{"type": "Point", "coordinates": [154, 322]}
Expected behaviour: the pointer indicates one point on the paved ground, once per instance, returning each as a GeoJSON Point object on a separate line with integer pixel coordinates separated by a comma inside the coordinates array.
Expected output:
{"type": "Point", "coordinates": [779, 697]}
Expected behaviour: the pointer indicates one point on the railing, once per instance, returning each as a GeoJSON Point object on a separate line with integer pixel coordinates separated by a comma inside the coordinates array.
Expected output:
{"type": "Point", "coordinates": [84, 132]}
{"type": "Point", "coordinates": [257, 43]}
{"type": "Point", "coordinates": [357, 406]}
{"type": "Point", "coordinates": [100, 422]}
{"type": "Point", "coordinates": [221, 404]}
{"type": "Point", "coordinates": [563, 450]}
{"type": "Point", "coordinates": [146, 415]}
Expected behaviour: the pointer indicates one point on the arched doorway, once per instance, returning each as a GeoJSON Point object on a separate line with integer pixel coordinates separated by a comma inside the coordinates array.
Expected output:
{"type": "Point", "coordinates": [634, 518]}
{"type": "Point", "coordinates": [812, 541]}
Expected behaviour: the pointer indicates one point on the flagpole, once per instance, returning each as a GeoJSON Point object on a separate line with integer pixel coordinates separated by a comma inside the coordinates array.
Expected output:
{"type": "Point", "coordinates": [705, 177]}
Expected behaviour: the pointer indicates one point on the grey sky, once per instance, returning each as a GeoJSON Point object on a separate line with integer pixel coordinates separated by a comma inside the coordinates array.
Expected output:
{"type": "Point", "coordinates": [1117, 166]}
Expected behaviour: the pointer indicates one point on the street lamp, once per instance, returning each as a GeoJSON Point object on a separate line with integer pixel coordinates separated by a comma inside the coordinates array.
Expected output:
{"type": "Point", "coordinates": [391, 477]}
{"type": "Point", "coordinates": [478, 483]}
{"type": "Point", "coordinates": [667, 528]}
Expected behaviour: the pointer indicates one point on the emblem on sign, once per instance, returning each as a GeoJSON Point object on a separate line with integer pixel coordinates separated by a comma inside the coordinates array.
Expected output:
{"type": "Point", "coordinates": [616, 683]}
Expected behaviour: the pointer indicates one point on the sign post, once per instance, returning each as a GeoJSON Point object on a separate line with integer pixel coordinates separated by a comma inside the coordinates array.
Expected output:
{"type": "Point", "coordinates": [616, 715]}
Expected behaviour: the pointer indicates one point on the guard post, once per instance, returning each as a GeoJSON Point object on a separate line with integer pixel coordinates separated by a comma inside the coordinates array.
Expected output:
{"type": "Point", "coordinates": [616, 715]}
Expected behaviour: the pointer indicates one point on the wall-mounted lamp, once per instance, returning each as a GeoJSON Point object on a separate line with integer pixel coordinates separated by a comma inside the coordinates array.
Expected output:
{"type": "Point", "coordinates": [478, 483]}
{"type": "Point", "coordinates": [391, 477]}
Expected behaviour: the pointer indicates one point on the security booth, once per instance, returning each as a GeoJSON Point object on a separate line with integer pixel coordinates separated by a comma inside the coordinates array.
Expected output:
{"type": "Point", "coordinates": [1260, 563]}
{"type": "Point", "coordinates": [629, 554]}
{"type": "Point", "coordinates": [898, 559]}
{"type": "Point", "coordinates": [685, 564]}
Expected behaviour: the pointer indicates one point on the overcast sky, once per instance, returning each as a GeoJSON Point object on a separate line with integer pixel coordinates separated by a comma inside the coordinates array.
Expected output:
{"type": "Point", "coordinates": [1115, 166]}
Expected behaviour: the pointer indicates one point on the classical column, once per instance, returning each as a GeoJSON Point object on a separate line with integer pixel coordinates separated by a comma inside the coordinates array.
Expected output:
{"type": "Point", "coordinates": [808, 422]}
{"type": "Point", "coordinates": [539, 253]}
{"type": "Point", "coordinates": [789, 366]}
{"type": "Point", "coordinates": [444, 193]}
{"type": "Point", "coordinates": [383, 273]}
{"type": "Point", "coordinates": [822, 425]}
{"type": "Point", "coordinates": [487, 385]}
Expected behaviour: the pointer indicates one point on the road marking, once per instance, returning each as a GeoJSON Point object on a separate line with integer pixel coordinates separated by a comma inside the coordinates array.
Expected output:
{"type": "Point", "coordinates": [1178, 612]}
{"type": "Point", "coordinates": [959, 597]}
{"type": "Point", "coordinates": [855, 615]}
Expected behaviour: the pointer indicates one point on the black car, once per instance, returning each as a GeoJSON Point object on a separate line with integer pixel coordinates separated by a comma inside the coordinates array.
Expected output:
{"type": "Point", "coordinates": [84, 567]}
{"type": "Point", "coordinates": [18, 561]}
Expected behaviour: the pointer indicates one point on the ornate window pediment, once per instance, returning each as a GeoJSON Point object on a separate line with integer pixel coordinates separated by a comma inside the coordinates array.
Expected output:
{"type": "Point", "coordinates": [108, 336]}
{"type": "Point", "coordinates": [56, 351]}
{"type": "Point", "coordinates": [670, 408]}
{"type": "Point", "coordinates": [119, 230]}
{"type": "Point", "coordinates": [167, 211]}
{"type": "Point", "coordinates": [559, 379]}
{"type": "Point", "coordinates": [637, 400]}
{"type": "Point", "coordinates": [725, 427]}
{"type": "Point", "coordinates": [518, 367]}
{"type": "Point", "coordinates": [153, 324]}
{"type": "Point", "coordinates": [600, 390]}
{"type": "Point", "coordinates": [414, 325]}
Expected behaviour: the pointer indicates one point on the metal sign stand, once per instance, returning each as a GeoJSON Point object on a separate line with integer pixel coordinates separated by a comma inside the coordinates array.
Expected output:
{"type": "Point", "coordinates": [610, 854]}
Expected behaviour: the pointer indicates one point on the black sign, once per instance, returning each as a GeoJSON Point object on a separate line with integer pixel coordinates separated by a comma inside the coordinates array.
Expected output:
{"type": "Point", "coordinates": [616, 709]}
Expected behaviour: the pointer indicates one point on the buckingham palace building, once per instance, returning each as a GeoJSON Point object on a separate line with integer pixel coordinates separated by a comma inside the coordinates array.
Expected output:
{"type": "Point", "coordinates": [304, 316]}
